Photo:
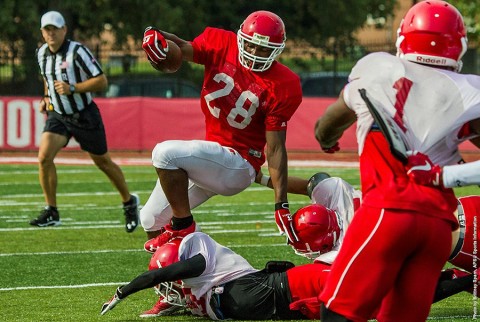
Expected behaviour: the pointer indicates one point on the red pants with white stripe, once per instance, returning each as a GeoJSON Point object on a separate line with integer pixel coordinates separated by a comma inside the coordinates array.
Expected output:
{"type": "Point", "coordinates": [390, 259]}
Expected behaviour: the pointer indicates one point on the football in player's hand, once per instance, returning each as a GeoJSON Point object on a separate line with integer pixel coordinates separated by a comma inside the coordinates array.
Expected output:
{"type": "Point", "coordinates": [173, 61]}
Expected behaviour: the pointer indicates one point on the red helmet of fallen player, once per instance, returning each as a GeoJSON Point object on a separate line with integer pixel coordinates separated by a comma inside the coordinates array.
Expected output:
{"type": "Point", "coordinates": [317, 229]}
{"type": "Point", "coordinates": [260, 28]}
{"type": "Point", "coordinates": [165, 255]}
{"type": "Point", "coordinates": [433, 33]}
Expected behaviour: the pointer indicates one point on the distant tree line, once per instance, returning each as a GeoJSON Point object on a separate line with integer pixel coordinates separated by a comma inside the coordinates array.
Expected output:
{"type": "Point", "coordinates": [325, 24]}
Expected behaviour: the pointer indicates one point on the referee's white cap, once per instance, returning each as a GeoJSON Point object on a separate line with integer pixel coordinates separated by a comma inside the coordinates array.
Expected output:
{"type": "Point", "coordinates": [53, 18]}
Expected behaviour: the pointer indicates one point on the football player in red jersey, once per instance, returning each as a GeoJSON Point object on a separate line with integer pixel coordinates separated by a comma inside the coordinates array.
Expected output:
{"type": "Point", "coordinates": [405, 222]}
{"type": "Point", "coordinates": [247, 100]}
{"type": "Point", "coordinates": [320, 228]}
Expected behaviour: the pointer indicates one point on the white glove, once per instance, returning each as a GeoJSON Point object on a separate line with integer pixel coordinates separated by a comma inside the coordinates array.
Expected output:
{"type": "Point", "coordinates": [107, 306]}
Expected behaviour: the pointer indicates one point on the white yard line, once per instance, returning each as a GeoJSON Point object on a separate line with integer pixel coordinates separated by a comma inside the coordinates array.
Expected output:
{"type": "Point", "coordinates": [148, 162]}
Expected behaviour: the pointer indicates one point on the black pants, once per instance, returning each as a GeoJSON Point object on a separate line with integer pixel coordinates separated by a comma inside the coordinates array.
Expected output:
{"type": "Point", "coordinates": [86, 127]}
{"type": "Point", "coordinates": [258, 296]}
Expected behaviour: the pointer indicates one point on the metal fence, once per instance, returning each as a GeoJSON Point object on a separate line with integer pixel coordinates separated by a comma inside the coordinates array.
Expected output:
{"type": "Point", "coordinates": [21, 78]}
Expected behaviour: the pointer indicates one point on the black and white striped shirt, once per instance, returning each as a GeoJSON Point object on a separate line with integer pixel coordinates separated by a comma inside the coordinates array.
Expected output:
{"type": "Point", "coordinates": [72, 63]}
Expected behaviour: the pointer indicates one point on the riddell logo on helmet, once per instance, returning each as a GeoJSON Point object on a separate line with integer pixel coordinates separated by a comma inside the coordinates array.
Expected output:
{"type": "Point", "coordinates": [261, 39]}
{"type": "Point", "coordinates": [430, 60]}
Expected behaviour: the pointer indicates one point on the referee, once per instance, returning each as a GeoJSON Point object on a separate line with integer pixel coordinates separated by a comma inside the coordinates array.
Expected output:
{"type": "Point", "coordinates": [70, 73]}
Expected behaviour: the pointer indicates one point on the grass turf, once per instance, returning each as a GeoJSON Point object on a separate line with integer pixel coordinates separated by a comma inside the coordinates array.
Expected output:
{"type": "Point", "coordinates": [65, 273]}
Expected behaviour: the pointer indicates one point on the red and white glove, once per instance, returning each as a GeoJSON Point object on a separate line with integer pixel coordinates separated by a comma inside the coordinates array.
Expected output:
{"type": "Point", "coordinates": [155, 45]}
{"type": "Point", "coordinates": [422, 170]}
{"type": "Point", "coordinates": [284, 221]}
{"type": "Point", "coordinates": [332, 149]}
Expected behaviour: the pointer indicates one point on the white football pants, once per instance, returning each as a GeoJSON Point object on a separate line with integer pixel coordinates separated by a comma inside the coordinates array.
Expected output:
{"type": "Point", "coordinates": [212, 170]}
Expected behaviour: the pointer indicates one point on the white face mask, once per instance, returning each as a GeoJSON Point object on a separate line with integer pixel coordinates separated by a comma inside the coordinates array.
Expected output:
{"type": "Point", "coordinates": [254, 62]}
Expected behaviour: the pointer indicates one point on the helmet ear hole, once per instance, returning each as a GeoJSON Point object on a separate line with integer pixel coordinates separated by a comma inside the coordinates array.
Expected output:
{"type": "Point", "coordinates": [432, 33]}
{"type": "Point", "coordinates": [317, 229]}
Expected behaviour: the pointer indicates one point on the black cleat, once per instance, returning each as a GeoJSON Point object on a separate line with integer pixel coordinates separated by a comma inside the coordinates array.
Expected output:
{"type": "Point", "coordinates": [131, 212]}
{"type": "Point", "coordinates": [48, 217]}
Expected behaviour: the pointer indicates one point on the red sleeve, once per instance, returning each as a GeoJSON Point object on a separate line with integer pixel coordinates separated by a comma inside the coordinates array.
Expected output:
{"type": "Point", "coordinates": [285, 98]}
{"type": "Point", "coordinates": [209, 41]}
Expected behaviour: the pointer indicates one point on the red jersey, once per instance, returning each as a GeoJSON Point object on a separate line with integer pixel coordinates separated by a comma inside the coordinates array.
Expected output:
{"type": "Point", "coordinates": [385, 184]}
{"type": "Point", "coordinates": [304, 291]}
{"type": "Point", "coordinates": [240, 105]}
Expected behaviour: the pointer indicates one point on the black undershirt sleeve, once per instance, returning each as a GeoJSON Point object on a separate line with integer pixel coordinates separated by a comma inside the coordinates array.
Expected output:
{"type": "Point", "coordinates": [189, 268]}
{"type": "Point", "coordinates": [449, 287]}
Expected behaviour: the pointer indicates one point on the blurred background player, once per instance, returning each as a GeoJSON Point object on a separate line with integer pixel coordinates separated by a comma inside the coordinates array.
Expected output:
{"type": "Point", "coordinates": [70, 74]}
{"type": "Point", "coordinates": [437, 109]}
{"type": "Point", "coordinates": [247, 99]}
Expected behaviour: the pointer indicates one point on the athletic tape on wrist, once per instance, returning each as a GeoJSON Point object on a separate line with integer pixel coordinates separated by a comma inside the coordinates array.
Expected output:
{"type": "Point", "coordinates": [264, 180]}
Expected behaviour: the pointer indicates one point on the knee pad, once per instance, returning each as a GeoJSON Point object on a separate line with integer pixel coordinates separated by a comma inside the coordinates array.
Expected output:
{"type": "Point", "coordinates": [152, 222]}
{"type": "Point", "coordinates": [165, 153]}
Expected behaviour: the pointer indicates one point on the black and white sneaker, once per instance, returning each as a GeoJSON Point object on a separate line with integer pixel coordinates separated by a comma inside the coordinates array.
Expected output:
{"type": "Point", "coordinates": [48, 217]}
{"type": "Point", "coordinates": [131, 212]}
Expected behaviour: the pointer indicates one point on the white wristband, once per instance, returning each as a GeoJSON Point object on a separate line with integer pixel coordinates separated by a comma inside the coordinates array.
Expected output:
{"type": "Point", "coordinates": [264, 180]}
{"type": "Point", "coordinates": [459, 175]}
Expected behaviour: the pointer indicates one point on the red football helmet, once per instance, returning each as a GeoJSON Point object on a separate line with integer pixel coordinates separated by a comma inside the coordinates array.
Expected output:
{"type": "Point", "coordinates": [165, 255]}
{"type": "Point", "coordinates": [433, 33]}
{"type": "Point", "coordinates": [317, 229]}
{"type": "Point", "coordinates": [262, 28]}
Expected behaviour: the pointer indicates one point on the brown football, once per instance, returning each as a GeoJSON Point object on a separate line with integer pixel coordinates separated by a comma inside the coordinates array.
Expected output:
{"type": "Point", "coordinates": [173, 61]}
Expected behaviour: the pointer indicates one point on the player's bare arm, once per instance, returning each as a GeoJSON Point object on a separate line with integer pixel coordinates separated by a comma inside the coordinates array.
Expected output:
{"type": "Point", "coordinates": [296, 185]}
{"type": "Point", "coordinates": [277, 163]}
{"type": "Point", "coordinates": [45, 101]}
{"type": "Point", "coordinates": [278, 169]}
{"type": "Point", "coordinates": [331, 125]}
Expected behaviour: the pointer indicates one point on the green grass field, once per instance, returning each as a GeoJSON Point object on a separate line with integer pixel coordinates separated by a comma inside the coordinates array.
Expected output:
{"type": "Point", "coordinates": [65, 273]}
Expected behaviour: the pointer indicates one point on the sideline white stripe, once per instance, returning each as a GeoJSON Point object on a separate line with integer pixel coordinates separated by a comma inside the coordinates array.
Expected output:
{"type": "Point", "coordinates": [22, 288]}
{"type": "Point", "coordinates": [104, 251]}
{"type": "Point", "coordinates": [434, 318]}
{"type": "Point", "coordinates": [211, 226]}
{"type": "Point", "coordinates": [148, 162]}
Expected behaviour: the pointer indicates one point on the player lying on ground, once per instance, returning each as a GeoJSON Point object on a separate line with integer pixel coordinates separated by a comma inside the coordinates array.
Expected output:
{"type": "Point", "coordinates": [220, 284]}
{"type": "Point", "coordinates": [223, 285]}
{"type": "Point", "coordinates": [200, 257]}
{"type": "Point", "coordinates": [315, 233]}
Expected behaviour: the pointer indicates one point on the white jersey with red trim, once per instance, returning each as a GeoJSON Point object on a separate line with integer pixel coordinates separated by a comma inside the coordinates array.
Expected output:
{"type": "Point", "coordinates": [338, 195]}
{"type": "Point", "coordinates": [433, 118]}
{"type": "Point", "coordinates": [222, 266]}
